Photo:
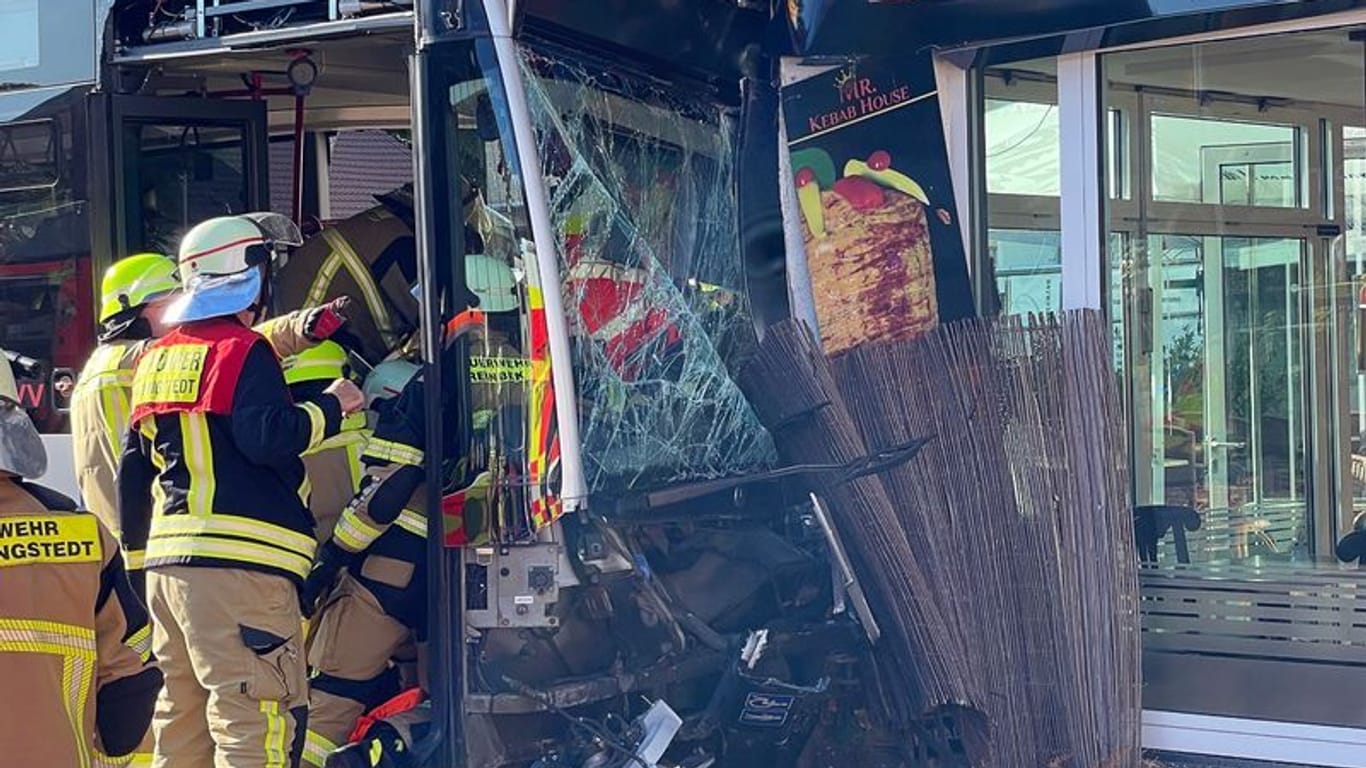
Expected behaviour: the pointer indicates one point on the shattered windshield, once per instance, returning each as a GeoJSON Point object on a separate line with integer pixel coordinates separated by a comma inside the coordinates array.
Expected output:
{"type": "Point", "coordinates": [641, 185]}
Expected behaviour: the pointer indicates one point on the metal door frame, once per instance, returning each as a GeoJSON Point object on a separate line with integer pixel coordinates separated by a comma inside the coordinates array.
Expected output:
{"type": "Point", "coordinates": [249, 116]}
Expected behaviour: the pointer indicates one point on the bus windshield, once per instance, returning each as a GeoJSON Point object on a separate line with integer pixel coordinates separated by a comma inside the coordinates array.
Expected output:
{"type": "Point", "coordinates": [642, 191]}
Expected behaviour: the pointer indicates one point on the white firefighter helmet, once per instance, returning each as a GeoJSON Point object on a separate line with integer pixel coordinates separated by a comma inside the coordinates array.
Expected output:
{"type": "Point", "coordinates": [225, 262]}
{"type": "Point", "coordinates": [21, 449]}
{"type": "Point", "coordinates": [387, 380]}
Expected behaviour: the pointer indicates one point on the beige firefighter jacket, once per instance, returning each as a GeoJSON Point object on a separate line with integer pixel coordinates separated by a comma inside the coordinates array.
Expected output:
{"type": "Point", "coordinates": [69, 627]}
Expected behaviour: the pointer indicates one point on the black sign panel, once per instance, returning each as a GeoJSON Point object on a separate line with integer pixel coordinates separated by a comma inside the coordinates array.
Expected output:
{"type": "Point", "coordinates": [884, 253]}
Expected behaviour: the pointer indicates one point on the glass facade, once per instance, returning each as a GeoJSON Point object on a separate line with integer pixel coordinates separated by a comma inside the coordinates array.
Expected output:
{"type": "Point", "coordinates": [1022, 157]}
{"type": "Point", "coordinates": [1233, 175]}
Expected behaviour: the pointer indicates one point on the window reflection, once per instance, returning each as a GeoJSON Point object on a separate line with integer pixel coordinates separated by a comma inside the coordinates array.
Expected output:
{"type": "Point", "coordinates": [46, 281]}
{"type": "Point", "coordinates": [1022, 160]}
{"type": "Point", "coordinates": [1238, 356]}
{"type": "Point", "coordinates": [1225, 162]}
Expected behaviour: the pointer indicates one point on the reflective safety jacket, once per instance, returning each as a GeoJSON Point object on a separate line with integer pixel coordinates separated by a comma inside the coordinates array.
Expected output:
{"type": "Point", "coordinates": [101, 409]}
{"type": "Point", "coordinates": [386, 523]}
{"type": "Point", "coordinates": [334, 473]}
{"type": "Point", "coordinates": [75, 643]}
{"type": "Point", "coordinates": [371, 257]}
{"type": "Point", "coordinates": [211, 474]}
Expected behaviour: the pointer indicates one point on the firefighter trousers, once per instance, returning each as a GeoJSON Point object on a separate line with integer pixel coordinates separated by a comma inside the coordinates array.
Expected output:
{"type": "Point", "coordinates": [140, 758]}
{"type": "Point", "coordinates": [351, 643]}
{"type": "Point", "coordinates": [236, 691]}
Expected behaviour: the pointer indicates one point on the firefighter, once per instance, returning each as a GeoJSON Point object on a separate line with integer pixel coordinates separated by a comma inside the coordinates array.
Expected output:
{"type": "Point", "coordinates": [133, 294]}
{"type": "Point", "coordinates": [212, 489]}
{"type": "Point", "coordinates": [333, 466]}
{"type": "Point", "coordinates": [373, 574]}
{"type": "Point", "coordinates": [371, 257]}
{"type": "Point", "coordinates": [372, 571]}
{"type": "Point", "coordinates": [74, 638]}
{"type": "Point", "coordinates": [379, 604]}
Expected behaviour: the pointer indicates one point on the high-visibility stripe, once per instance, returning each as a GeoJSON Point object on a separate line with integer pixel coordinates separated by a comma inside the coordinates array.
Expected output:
{"type": "Point", "coordinates": [317, 422]}
{"type": "Point", "coordinates": [134, 559]}
{"type": "Point", "coordinates": [327, 272]}
{"type": "Point", "coordinates": [353, 454]}
{"type": "Point", "coordinates": [35, 636]}
{"type": "Point", "coordinates": [135, 760]}
{"type": "Point", "coordinates": [173, 550]}
{"type": "Point", "coordinates": [217, 524]}
{"type": "Point", "coordinates": [78, 675]}
{"type": "Point", "coordinates": [75, 646]}
{"type": "Point", "coordinates": [148, 427]}
{"type": "Point", "coordinates": [352, 437]}
{"type": "Point", "coordinates": [353, 533]}
{"type": "Point", "coordinates": [104, 369]}
{"type": "Point", "coordinates": [360, 273]}
{"type": "Point", "coordinates": [275, 735]}
{"type": "Point", "coordinates": [114, 414]}
{"type": "Point", "coordinates": [317, 748]}
{"type": "Point", "coordinates": [413, 522]}
{"type": "Point", "coordinates": [392, 452]}
{"type": "Point", "coordinates": [305, 490]}
{"type": "Point", "coordinates": [140, 642]}
{"type": "Point", "coordinates": [194, 437]}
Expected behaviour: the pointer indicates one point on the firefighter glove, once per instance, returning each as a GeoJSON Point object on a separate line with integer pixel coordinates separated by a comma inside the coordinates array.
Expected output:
{"type": "Point", "coordinates": [329, 564]}
{"type": "Point", "coordinates": [322, 322]}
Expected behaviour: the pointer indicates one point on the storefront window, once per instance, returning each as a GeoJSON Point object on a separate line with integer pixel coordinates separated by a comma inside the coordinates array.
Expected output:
{"type": "Point", "coordinates": [1022, 162]}
{"type": "Point", "coordinates": [1234, 263]}
{"type": "Point", "coordinates": [1226, 162]}
{"type": "Point", "coordinates": [1022, 141]}
{"type": "Point", "coordinates": [1028, 269]}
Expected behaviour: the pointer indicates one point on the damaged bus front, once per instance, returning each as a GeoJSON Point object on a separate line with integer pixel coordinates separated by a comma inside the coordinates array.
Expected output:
{"type": "Point", "coordinates": [635, 584]}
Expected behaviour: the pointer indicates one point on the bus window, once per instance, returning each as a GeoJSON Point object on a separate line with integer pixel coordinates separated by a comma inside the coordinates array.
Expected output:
{"type": "Point", "coordinates": [642, 189]}
{"type": "Point", "coordinates": [179, 175]}
{"type": "Point", "coordinates": [513, 440]}
{"type": "Point", "coordinates": [46, 281]}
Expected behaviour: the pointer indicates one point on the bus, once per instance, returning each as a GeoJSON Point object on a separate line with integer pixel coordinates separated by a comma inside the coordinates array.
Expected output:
{"type": "Point", "coordinates": [609, 542]}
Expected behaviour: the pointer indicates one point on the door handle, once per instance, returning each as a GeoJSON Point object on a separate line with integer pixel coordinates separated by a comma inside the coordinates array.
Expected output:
{"type": "Point", "coordinates": [1224, 444]}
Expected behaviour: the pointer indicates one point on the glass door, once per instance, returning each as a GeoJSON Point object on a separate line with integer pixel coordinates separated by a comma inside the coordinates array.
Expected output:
{"type": "Point", "coordinates": [1240, 263]}
{"type": "Point", "coordinates": [178, 161]}
{"type": "Point", "coordinates": [1226, 392]}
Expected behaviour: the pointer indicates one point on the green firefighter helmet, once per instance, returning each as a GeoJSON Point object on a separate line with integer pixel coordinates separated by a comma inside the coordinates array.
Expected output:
{"type": "Point", "coordinates": [136, 281]}
{"type": "Point", "coordinates": [326, 361]}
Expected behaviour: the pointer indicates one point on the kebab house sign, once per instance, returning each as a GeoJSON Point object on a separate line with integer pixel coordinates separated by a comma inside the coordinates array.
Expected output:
{"type": "Point", "coordinates": [885, 256]}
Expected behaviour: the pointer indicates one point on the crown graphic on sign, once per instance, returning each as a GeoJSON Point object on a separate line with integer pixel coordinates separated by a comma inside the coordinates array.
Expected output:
{"type": "Point", "coordinates": [843, 79]}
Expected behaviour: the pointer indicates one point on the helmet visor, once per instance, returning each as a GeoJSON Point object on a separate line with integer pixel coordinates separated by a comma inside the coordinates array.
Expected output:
{"type": "Point", "coordinates": [209, 296]}
{"type": "Point", "coordinates": [280, 229]}
{"type": "Point", "coordinates": [21, 449]}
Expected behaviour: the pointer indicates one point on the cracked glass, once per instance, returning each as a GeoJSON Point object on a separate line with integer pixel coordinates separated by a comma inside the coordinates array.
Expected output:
{"type": "Point", "coordinates": [642, 193]}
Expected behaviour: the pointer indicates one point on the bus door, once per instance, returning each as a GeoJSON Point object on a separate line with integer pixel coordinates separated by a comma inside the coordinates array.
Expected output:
{"type": "Point", "coordinates": [175, 161]}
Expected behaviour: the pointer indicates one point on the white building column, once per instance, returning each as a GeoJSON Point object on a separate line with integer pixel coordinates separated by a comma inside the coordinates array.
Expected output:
{"type": "Point", "coordinates": [1083, 236]}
